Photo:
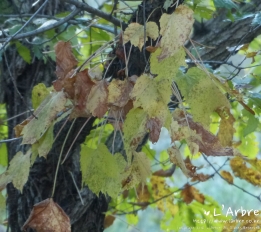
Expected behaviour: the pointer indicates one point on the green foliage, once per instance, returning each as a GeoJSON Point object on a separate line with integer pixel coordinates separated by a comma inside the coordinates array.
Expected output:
{"type": "Point", "coordinates": [201, 94]}
{"type": "Point", "coordinates": [24, 52]}
{"type": "Point", "coordinates": [101, 170]}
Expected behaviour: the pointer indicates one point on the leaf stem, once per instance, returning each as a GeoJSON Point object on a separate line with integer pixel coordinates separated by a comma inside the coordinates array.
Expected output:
{"type": "Point", "coordinates": [60, 157]}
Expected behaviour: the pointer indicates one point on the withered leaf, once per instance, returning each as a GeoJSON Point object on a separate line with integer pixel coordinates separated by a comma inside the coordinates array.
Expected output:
{"type": "Point", "coordinates": [97, 99]}
{"type": "Point", "coordinates": [119, 92]}
{"type": "Point", "coordinates": [48, 216]}
{"type": "Point", "coordinates": [176, 158]}
{"type": "Point", "coordinates": [108, 221]}
{"type": "Point", "coordinates": [83, 85]}
{"type": "Point", "coordinates": [207, 143]}
{"type": "Point", "coordinates": [65, 60]}
{"type": "Point", "coordinates": [227, 176]}
{"type": "Point", "coordinates": [117, 115]}
{"type": "Point", "coordinates": [165, 173]}
{"type": "Point", "coordinates": [154, 126]}
{"type": "Point", "coordinates": [190, 193]}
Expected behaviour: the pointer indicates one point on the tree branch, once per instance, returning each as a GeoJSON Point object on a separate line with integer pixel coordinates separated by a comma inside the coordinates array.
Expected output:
{"type": "Point", "coordinates": [88, 8]}
{"type": "Point", "coordinates": [43, 29]}
{"type": "Point", "coordinates": [218, 34]}
{"type": "Point", "coordinates": [26, 23]}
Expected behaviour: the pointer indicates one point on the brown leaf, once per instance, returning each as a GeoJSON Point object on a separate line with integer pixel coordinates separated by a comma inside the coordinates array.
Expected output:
{"type": "Point", "coordinates": [227, 176]}
{"type": "Point", "coordinates": [97, 99]}
{"type": "Point", "coordinates": [83, 85]}
{"type": "Point", "coordinates": [151, 49]}
{"type": "Point", "coordinates": [18, 128]}
{"type": "Point", "coordinates": [176, 158]}
{"type": "Point", "coordinates": [154, 126]}
{"type": "Point", "coordinates": [48, 216]}
{"type": "Point", "coordinates": [190, 193]}
{"type": "Point", "coordinates": [207, 142]}
{"type": "Point", "coordinates": [165, 173]}
{"type": "Point", "coordinates": [195, 176]}
{"type": "Point", "coordinates": [200, 177]}
{"type": "Point", "coordinates": [108, 221]}
{"type": "Point", "coordinates": [65, 60]}
{"type": "Point", "coordinates": [117, 115]}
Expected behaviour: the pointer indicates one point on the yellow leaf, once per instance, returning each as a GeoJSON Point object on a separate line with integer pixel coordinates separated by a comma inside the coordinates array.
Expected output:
{"type": "Point", "coordinates": [134, 130]}
{"type": "Point", "coordinates": [241, 170]}
{"type": "Point", "coordinates": [119, 92]}
{"type": "Point", "coordinates": [226, 129]}
{"type": "Point", "coordinates": [138, 171]}
{"type": "Point", "coordinates": [135, 33]}
{"type": "Point", "coordinates": [151, 94]}
{"type": "Point", "coordinates": [39, 93]}
{"type": "Point", "coordinates": [175, 30]}
{"type": "Point", "coordinates": [167, 68]}
{"type": "Point", "coordinates": [159, 191]}
{"type": "Point", "coordinates": [202, 95]}
{"type": "Point", "coordinates": [102, 171]}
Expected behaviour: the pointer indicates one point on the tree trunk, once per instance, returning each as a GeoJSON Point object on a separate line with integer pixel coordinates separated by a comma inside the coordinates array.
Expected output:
{"type": "Point", "coordinates": [218, 34]}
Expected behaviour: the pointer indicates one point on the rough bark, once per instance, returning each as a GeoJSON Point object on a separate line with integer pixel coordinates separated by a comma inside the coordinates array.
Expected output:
{"type": "Point", "coordinates": [218, 34]}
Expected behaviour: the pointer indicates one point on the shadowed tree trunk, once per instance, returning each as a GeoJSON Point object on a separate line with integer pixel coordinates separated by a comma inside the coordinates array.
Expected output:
{"type": "Point", "coordinates": [17, 73]}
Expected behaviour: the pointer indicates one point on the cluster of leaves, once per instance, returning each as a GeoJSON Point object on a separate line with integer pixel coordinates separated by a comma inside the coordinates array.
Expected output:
{"type": "Point", "coordinates": [138, 106]}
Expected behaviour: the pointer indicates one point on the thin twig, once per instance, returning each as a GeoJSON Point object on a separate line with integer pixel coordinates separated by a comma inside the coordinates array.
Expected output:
{"type": "Point", "coordinates": [43, 29]}
{"type": "Point", "coordinates": [257, 197]}
{"type": "Point", "coordinates": [76, 137]}
{"type": "Point", "coordinates": [91, 10]}
{"type": "Point", "coordinates": [26, 23]}
{"type": "Point", "coordinates": [76, 188]}
{"type": "Point", "coordinates": [60, 157]}
{"type": "Point", "coordinates": [9, 140]}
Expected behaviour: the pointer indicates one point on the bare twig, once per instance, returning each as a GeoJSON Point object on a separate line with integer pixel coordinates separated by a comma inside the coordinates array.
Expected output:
{"type": "Point", "coordinates": [88, 8]}
{"type": "Point", "coordinates": [26, 23]}
{"type": "Point", "coordinates": [43, 29]}
{"type": "Point", "coordinates": [217, 171]}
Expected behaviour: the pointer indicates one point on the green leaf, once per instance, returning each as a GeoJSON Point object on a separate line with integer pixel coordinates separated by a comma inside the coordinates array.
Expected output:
{"type": "Point", "coordinates": [45, 143]}
{"type": "Point", "coordinates": [249, 146]}
{"type": "Point", "coordinates": [167, 68]}
{"type": "Point", "coordinates": [256, 98]}
{"type": "Point", "coordinates": [201, 93]}
{"type": "Point", "coordinates": [228, 4]}
{"type": "Point", "coordinates": [167, 4]}
{"type": "Point", "coordinates": [39, 93]}
{"type": "Point", "coordinates": [102, 171]}
{"type": "Point", "coordinates": [46, 113]}
{"type": "Point", "coordinates": [132, 219]}
{"type": "Point", "coordinates": [3, 156]}
{"type": "Point", "coordinates": [24, 52]}
{"type": "Point", "coordinates": [19, 169]}
{"type": "Point", "coordinates": [252, 125]}
{"type": "Point", "coordinates": [134, 130]}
